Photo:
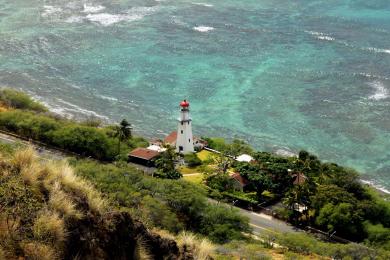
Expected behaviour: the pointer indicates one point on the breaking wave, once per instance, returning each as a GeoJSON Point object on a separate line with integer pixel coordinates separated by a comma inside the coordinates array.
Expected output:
{"type": "Point", "coordinates": [203, 4]}
{"type": "Point", "coordinates": [49, 10]}
{"type": "Point", "coordinates": [134, 14]}
{"type": "Point", "coordinates": [203, 28]}
{"type": "Point", "coordinates": [92, 9]}
{"type": "Point", "coordinates": [380, 91]}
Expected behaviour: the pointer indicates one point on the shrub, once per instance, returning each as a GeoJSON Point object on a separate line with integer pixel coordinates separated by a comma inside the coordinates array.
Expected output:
{"type": "Point", "coordinates": [201, 247]}
{"type": "Point", "coordinates": [62, 203]}
{"type": "Point", "coordinates": [50, 228]}
{"type": "Point", "coordinates": [39, 251]}
{"type": "Point", "coordinates": [192, 160]}
{"type": "Point", "coordinates": [17, 99]}
{"type": "Point", "coordinates": [68, 135]}
{"type": "Point", "coordinates": [186, 200]}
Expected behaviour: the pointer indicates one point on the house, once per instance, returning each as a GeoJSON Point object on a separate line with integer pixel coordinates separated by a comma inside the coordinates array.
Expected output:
{"type": "Point", "coordinates": [199, 143]}
{"type": "Point", "coordinates": [299, 178]}
{"type": "Point", "coordinates": [143, 156]}
{"type": "Point", "coordinates": [171, 139]}
{"type": "Point", "coordinates": [157, 148]}
{"type": "Point", "coordinates": [239, 182]}
{"type": "Point", "coordinates": [244, 158]}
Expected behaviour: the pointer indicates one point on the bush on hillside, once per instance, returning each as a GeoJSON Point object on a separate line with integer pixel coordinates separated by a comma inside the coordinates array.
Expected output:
{"type": "Point", "coordinates": [179, 204]}
{"type": "Point", "coordinates": [17, 99]}
{"type": "Point", "coordinates": [68, 135]}
{"type": "Point", "coordinates": [192, 160]}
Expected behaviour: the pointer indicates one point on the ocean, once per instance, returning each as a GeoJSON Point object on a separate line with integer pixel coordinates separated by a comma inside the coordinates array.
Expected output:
{"type": "Point", "coordinates": [282, 75]}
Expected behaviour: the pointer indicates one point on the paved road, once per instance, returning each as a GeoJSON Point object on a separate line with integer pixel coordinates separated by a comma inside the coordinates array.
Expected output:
{"type": "Point", "coordinates": [261, 223]}
{"type": "Point", "coordinates": [44, 152]}
{"type": "Point", "coordinates": [264, 224]}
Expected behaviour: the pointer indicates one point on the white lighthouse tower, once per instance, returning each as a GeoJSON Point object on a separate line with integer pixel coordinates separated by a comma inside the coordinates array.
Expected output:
{"type": "Point", "coordinates": [184, 141]}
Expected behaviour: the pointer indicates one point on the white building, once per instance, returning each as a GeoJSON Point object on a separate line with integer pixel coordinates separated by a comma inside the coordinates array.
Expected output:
{"type": "Point", "coordinates": [184, 141]}
{"type": "Point", "coordinates": [244, 158]}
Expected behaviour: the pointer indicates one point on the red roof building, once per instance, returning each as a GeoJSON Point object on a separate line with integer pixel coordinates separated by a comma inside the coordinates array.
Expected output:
{"type": "Point", "coordinates": [299, 178]}
{"type": "Point", "coordinates": [143, 156]}
{"type": "Point", "coordinates": [239, 181]}
{"type": "Point", "coordinates": [171, 139]}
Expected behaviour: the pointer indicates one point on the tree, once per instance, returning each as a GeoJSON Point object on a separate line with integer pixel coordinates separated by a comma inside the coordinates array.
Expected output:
{"type": "Point", "coordinates": [166, 165]}
{"type": "Point", "coordinates": [330, 194]}
{"type": "Point", "coordinates": [342, 218]}
{"type": "Point", "coordinates": [258, 178]}
{"type": "Point", "coordinates": [122, 132]}
{"type": "Point", "coordinates": [192, 160]}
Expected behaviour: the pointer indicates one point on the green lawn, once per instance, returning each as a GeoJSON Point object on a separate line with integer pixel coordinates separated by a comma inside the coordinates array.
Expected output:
{"type": "Point", "coordinates": [197, 179]}
{"type": "Point", "coordinates": [187, 170]}
{"type": "Point", "coordinates": [205, 155]}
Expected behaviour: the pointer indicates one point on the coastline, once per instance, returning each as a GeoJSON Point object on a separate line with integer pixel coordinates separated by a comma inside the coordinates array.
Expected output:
{"type": "Point", "coordinates": [83, 113]}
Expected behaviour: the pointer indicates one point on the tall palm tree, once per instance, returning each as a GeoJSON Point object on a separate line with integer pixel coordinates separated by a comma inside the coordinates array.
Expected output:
{"type": "Point", "coordinates": [122, 132]}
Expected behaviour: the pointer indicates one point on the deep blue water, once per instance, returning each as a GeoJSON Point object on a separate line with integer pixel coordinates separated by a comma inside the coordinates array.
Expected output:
{"type": "Point", "coordinates": [283, 75]}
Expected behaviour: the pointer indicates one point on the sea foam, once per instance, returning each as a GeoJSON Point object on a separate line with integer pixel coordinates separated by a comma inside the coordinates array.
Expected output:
{"type": "Point", "coordinates": [49, 10]}
{"type": "Point", "coordinates": [321, 36]}
{"type": "Point", "coordinates": [203, 28]}
{"type": "Point", "coordinates": [134, 14]}
{"type": "Point", "coordinates": [108, 98]}
{"type": "Point", "coordinates": [376, 186]}
{"type": "Point", "coordinates": [203, 4]}
{"type": "Point", "coordinates": [380, 91]}
{"type": "Point", "coordinates": [92, 9]}
{"type": "Point", "coordinates": [377, 50]}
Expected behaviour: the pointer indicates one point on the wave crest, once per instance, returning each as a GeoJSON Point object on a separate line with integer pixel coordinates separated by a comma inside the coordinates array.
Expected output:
{"type": "Point", "coordinates": [203, 28]}
{"type": "Point", "coordinates": [380, 91]}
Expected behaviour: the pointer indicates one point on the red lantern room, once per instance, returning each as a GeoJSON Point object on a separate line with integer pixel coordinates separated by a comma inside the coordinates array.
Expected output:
{"type": "Point", "coordinates": [184, 104]}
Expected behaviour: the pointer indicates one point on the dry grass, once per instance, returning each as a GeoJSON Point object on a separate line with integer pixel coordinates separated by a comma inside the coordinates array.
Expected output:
{"type": "Point", "coordinates": [2, 254]}
{"type": "Point", "coordinates": [8, 229]}
{"type": "Point", "coordinates": [24, 158]}
{"type": "Point", "coordinates": [48, 196]}
{"type": "Point", "coordinates": [30, 173]}
{"type": "Point", "coordinates": [38, 251]}
{"type": "Point", "coordinates": [50, 228]}
{"type": "Point", "coordinates": [81, 188]}
{"type": "Point", "coordinates": [201, 247]}
{"type": "Point", "coordinates": [142, 250]}
{"type": "Point", "coordinates": [34, 174]}
{"type": "Point", "coordinates": [62, 203]}
{"type": "Point", "coordinates": [164, 233]}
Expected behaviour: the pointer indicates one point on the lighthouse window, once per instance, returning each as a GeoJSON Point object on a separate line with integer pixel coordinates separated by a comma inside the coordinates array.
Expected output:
{"type": "Point", "coordinates": [189, 140]}
{"type": "Point", "coordinates": [181, 123]}
{"type": "Point", "coordinates": [181, 131]}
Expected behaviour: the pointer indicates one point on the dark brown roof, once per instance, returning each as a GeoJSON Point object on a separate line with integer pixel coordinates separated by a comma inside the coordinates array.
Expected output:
{"type": "Point", "coordinates": [242, 180]}
{"type": "Point", "coordinates": [144, 153]}
{"type": "Point", "coordinates": [171, 138]}
{"type": "Point", "coordinates": [299, 179]}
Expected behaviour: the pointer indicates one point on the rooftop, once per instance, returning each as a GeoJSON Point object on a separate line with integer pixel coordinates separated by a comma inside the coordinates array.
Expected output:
{"type": "Point", "coordinates": [299, 179]}
{"type": "Point", "coordinates": [144, 153]}
{"type": "Point", "coordinates": [244, 158]}
{"type": "Point", "coordinates": [171, 138]}
{"type": "Point", "coordinates": [242, 180]}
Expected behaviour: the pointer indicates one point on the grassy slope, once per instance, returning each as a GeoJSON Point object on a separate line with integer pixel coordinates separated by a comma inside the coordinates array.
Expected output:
{"type": "Point", "coordinates": [47, 212]}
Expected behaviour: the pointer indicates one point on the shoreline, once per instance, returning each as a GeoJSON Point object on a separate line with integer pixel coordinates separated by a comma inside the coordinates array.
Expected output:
{"type": "Point", "coordinates": [84, 113]}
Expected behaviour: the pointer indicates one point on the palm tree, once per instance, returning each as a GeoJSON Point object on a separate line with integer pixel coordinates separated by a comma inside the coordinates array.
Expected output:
{"type": "Point", "coordinates": [123, 132]}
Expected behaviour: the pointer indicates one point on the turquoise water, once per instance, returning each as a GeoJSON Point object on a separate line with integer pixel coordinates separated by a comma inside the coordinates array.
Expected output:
{"type": "Point", "coordinates": [283, 75]}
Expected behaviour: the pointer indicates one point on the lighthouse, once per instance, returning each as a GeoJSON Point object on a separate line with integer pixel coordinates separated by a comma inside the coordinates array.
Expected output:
{"type": "Point", "coordinates": [184, 141]}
